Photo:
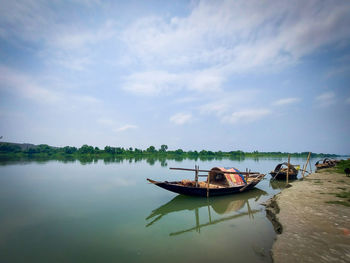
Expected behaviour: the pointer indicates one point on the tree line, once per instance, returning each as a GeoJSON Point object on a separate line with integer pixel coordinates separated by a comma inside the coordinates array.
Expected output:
{"type": "Point", "coordinates": [163, 150]}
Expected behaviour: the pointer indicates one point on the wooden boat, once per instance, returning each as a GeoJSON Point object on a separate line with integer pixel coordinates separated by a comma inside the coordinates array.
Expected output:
{"type": "Point", "coordinates": [220, 181]}
{"type": "Point", "coordinates": [280, 172]}
{"type": "Point", "coordinates": [326, 163]}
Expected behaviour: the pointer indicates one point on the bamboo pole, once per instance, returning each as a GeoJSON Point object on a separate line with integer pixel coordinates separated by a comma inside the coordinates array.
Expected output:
{"type": "Point", "coordinates": [303, 171]}
{"type": "Point", "coordinates": [196, 177]}
{"type": "Point", "coordinates": [288, 167]}
{"type": "Point", "coordinates": [310, 163]}
{"type": "Point", "coordinates": [307, 161]}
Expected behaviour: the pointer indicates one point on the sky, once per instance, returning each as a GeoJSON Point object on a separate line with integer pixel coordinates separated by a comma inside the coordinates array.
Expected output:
{"type": "Point", "coordinates": [215, 75]}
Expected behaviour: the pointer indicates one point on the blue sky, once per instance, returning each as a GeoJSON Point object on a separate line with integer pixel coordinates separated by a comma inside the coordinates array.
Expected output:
{"type": "Point", "coordinates": [216, 75]}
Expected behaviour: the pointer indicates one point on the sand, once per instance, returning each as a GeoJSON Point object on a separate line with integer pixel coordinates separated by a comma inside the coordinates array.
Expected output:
{"type": "Point", "coordinates": [312, 230]}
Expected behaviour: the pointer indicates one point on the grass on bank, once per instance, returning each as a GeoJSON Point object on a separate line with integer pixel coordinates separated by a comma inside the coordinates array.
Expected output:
{"type": "Point", "coordinates": [342, 165]}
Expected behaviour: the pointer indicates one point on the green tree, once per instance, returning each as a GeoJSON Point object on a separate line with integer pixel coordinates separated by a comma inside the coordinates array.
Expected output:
{"type": "Point", "coordinates": [151, 149]}
{"type": "Point", "coordinates": [69, 150]}
{"type": "Point", "coordinates": [179, 151]}
{"type": "Point", "coordinates": [86, 149]}
{"type": "Point", "coordinates": [109, 149]}
{"type": "Point", "coordinates": [163, 148]}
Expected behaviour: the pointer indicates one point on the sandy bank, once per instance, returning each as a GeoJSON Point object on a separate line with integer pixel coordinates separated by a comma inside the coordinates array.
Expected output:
{"type": "Point", "coordinates": [312, 229]}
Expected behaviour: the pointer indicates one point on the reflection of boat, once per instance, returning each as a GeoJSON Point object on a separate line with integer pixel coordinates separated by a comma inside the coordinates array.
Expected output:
{"type": "Point", "coordinates": [280, 172]}
{"type": "Point", "coordinates": [326, 163]}
{"type": "Point", "coordinates": [277, 184]}
{"type": "Point", "coordinates": [221, 205]}
{"type": "Point", "coordinates": [220, 181]}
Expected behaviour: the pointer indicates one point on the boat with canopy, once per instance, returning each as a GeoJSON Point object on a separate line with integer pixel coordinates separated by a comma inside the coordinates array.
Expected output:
{"type": "Point", "coordinates": [219, 181]}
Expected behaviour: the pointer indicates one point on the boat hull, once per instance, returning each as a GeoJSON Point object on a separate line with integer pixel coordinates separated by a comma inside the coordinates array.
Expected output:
{"type": "Point", "coordinates": [283, 176]}
{"type": "Point", "coordinates": [197, 191]}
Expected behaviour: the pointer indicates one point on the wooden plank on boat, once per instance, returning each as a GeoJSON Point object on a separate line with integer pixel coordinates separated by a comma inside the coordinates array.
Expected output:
{"type": "Point", "coordinates": [254, 180]}
{"type": "Point", "coordinates": [214, 171]}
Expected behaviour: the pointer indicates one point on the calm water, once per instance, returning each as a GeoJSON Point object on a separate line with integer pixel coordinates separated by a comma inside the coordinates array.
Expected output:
{"type": "Point", "coordinates": [70, 212]}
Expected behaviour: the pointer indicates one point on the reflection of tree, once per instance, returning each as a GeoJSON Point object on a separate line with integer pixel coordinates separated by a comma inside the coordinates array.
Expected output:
{"type": "Point", "coordinates": [151, 161]}
{"type": "Point", "coordinates": [220, 204]}
{"type": "Point", "coordinates": [110, 158]}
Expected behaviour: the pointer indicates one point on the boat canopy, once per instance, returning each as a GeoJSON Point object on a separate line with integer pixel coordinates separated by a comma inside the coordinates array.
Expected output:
{"type": "Point", "coordinates": [226, 179]}
{"type": "Point", "coordinates": [291, 167]}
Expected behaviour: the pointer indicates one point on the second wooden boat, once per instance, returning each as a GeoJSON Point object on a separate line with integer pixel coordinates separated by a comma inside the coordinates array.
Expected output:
{"type": "Point", "coordinates": [280, 172]}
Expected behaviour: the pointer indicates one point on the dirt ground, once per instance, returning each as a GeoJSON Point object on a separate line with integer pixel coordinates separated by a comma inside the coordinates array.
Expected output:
{"type": "Point", "coordinates": [313, 217]}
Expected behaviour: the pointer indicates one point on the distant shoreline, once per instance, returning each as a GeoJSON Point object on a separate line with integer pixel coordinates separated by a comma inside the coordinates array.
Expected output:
{"type": "Point", "coordinates": [8, 149]}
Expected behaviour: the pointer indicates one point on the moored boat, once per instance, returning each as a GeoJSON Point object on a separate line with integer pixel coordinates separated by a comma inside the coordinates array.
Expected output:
{"type": "Point", "coordinates": [281, 170]}
{"type": "Point", "coordinates": [326, 163]}
{"type": "Point", "coordinates": [220, 181]}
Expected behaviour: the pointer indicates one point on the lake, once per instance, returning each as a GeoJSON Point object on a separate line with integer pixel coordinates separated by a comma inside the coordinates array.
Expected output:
{"type": "Point", "coordinates": [54, 211]}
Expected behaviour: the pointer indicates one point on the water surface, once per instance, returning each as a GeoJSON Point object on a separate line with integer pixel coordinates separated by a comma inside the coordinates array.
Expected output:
{"type": "Point", "coordinates": [107, 212]}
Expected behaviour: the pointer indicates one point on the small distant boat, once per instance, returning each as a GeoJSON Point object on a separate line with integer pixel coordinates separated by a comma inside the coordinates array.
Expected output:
{"type": "Point", "coordinates": [326, 163]}
{"type": "Point", "coordinates": [280, 172]}
{"type": "Point", "coordinates": [220, 181]}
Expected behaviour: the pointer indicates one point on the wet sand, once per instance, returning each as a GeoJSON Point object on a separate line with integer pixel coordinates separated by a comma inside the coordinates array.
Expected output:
{"type": "Point", "coordinates": [312, 229]}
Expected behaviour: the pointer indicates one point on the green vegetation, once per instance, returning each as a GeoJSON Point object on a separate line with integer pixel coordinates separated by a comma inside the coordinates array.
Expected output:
{"type": "Point", "coordinates": [345, 203]}
{"type": "Point", "coordinates": [342, 165]}
{"type": "Point", "coordinates": [12, 150]}
{"type": "Point", "coordinates": [345, 195]}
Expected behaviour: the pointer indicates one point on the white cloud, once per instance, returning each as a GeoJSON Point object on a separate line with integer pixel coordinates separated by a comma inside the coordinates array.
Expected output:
{"type": "Point", "coordinates": [216, 37]}
{"type": "Point", "coordinates": [286, 101]}
{"type": "Point", "coordinates": [223, 102]}
{"type": "Point", "coordinates": [163, 82]}
{"type": "Point", "coordinates": [181, 118]}
{"type": "Point", "coordinates": [126, 127]}
{"type": "Point", "coordinates": [39, 90]}
{"type": "Point", "coordinates": [153, 82]}
{"type": "Point", "coordinates": [67, 43]}
{"type": "Point", "coordinates": [26, 86]}
{"type": "Point", "coordinates": [325, 99]}
{"type": "Point", "coordinates": [246, 116]}
{"type": "Point", "coordinates": [219, 32]}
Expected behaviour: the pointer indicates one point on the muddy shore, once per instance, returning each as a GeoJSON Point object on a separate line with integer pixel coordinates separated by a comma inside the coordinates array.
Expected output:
{"type": "Point", "coordinates": [312, 219]}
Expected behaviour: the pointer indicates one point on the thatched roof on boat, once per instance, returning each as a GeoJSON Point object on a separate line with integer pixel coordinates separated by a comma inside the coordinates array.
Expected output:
{"type": "Point", "coordinates": [280, 167]}
{"type": "Point", "coordinates": [327, 161]}
{"type": "Point", "coordinates": [217, 175]}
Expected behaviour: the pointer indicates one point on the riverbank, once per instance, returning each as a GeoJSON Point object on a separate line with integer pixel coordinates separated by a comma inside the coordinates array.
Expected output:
{"type": "Point", "coordinates": [312, 218]}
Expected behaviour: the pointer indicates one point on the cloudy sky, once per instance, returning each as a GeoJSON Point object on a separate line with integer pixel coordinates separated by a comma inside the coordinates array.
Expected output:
{"type": "Point", "coordinates": [216, 75]}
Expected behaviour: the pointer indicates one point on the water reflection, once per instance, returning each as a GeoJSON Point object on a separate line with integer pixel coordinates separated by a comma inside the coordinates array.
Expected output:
{"type": "Point", "coordinates": [278, 184]}
{"type": "Point", "coordinates": [88, 159]}
{"type": "Point", "coordinates": [221, 205]}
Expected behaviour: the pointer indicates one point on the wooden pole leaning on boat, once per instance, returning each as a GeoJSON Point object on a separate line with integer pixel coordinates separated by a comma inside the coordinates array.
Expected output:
{"type": "Point", "coordinates": [255, 179]}
{"type": "Point", "coordinates": [307, 161]}
{"type": "Point", "coordinates": [310, 162]}
{"type": "Point", "coordinates": [288, 167]}
{"type": "Point", "coordinates": [277, 173]}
